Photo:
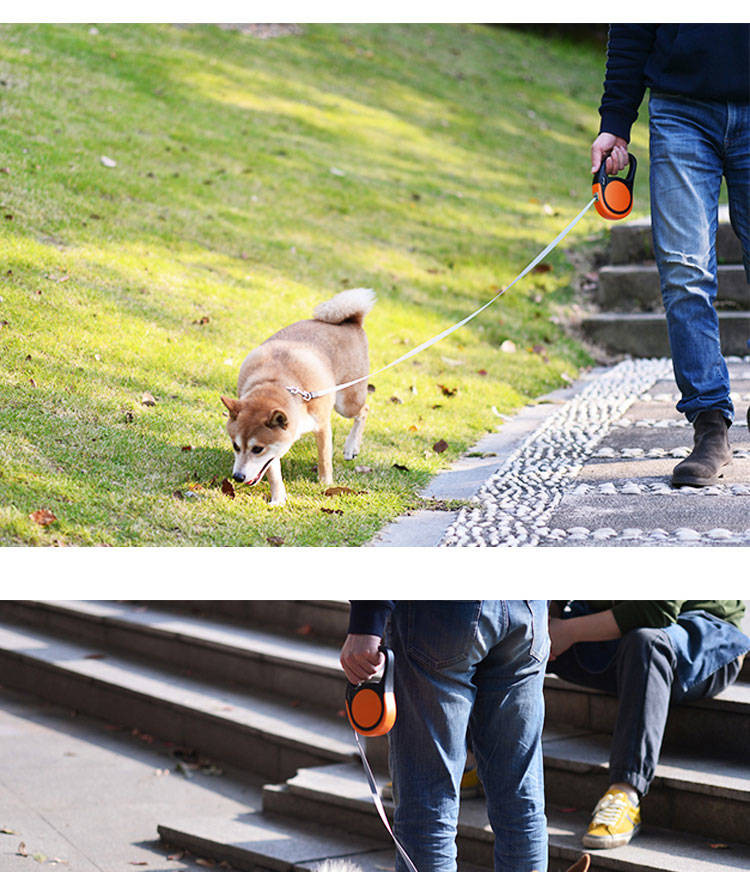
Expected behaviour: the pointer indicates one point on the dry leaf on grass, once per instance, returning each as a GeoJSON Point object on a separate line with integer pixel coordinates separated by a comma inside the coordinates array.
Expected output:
{"type": "Point", "coordinates": [440, 446]}
{"type": "Point", "coordinates": [332, 511]}
{"type": "Point", "coordinates": [275, 541]}
{"type": "Point", "coordinates": [148, 399]}
{"type": "Point", "coordinates": [43, 517]}
{"type": "Point", "coordinates": [448, 392]}
{"type": "Point", "coordinates": [227, 488]}
{"type": "Point", "coordinates": [401, 467]}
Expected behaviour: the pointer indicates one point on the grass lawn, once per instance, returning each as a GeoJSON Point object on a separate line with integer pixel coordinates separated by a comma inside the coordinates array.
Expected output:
{"type": "Point", "coordinates": [252, 180]}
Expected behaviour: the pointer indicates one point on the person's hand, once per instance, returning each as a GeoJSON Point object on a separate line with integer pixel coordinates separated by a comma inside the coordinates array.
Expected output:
{"type": "Point", "coordinates": [615, 146]}
{"type": "Point", "coordinates": [360, 657]}
{"type": "Point", "coordinates": [561, 637]}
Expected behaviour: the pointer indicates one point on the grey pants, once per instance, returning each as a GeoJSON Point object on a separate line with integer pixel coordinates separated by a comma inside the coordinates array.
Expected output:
{"type": "Point", "coordinates": [642, 676]}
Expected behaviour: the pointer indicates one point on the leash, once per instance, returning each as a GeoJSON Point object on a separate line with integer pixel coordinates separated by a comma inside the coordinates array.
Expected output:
{"type": "Point", "coordinates": [312, 395]}
{"type": "Point", "coordinates": [379, 806]}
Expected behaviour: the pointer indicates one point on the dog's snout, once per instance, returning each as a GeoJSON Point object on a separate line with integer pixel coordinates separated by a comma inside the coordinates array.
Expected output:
{"type": "Point", "coordinates": [238, 476]}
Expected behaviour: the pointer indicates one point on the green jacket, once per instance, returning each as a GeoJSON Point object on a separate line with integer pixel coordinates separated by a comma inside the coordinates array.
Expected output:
{"type": "Point", "coordinates": [630, 614]}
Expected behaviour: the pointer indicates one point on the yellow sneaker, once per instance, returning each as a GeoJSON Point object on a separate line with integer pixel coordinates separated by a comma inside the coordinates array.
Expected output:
{"type": "Point", "coordinates": [615, 821]}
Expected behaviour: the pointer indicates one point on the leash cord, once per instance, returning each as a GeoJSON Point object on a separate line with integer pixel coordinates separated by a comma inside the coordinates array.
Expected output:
{"type": "Point", "coordinates": [379, 806]}
{"type": "Point", "coordinates": [311, 395]}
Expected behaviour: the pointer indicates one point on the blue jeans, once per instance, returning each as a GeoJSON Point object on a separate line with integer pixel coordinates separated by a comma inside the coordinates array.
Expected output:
{"type": "Point", "coordinates": [469, 670]}
{"type": "Point", "coordinates": [693, 144]}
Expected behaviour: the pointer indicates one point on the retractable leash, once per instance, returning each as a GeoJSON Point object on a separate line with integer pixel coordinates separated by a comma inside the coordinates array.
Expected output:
{"type": "Point", "coordinates": [613, 197]}
{"type": "Point", "coordinates": [371, 708]}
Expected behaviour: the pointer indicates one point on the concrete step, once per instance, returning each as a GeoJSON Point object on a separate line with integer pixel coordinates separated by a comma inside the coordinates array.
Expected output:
{"type": "Point", "coordinates": [255, 731]}
{"type": "Point", "coordinates": [721, 722]}
{"type": "Point", "coordinates": [339, 796]}
{"type": "Point", "coordinates": [298, 667]}
{"type": "Point", "coordinates": [325, 620]}
{"type": "Point", "coordinates": [630, 241]}
{"type": "Point", "coordinates": [635, 287]}
{"type": "Point", "coordinates": [645, 334]}
{"type": "Point", "coordinates": [703, 796]}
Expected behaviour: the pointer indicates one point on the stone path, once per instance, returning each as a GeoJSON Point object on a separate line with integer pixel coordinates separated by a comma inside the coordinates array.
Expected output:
{"type": "Point", "coordinates": [591, 466]}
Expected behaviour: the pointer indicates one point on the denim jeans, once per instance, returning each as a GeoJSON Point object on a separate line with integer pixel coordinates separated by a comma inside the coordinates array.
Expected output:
{"type": "Point", "coordinates": [469, 670]}
{"type": "Point", "coordinates": [693, 144]}
{"type": "Point", "coordinates": [643, 676]}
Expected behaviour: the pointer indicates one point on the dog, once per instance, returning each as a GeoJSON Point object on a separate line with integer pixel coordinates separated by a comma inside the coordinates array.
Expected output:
{"type": "Point", "coordinates": [344, 865]}
{"type": "Point", "coordinates": [266, 420]}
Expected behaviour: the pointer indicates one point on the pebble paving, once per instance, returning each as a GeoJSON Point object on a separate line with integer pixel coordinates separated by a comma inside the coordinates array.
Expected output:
{"type": "Point", "coordinates": [593, 475]}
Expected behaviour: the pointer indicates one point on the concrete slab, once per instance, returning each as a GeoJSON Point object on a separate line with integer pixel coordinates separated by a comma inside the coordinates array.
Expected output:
{"type": "Point", "coordinates": [74, 791]}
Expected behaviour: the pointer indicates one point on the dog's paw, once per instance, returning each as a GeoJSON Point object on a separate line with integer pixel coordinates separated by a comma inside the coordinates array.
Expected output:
{"type": "Point", "coordinates": [278, 501]}
{"type": "Point", "coordinates": [350, 453]}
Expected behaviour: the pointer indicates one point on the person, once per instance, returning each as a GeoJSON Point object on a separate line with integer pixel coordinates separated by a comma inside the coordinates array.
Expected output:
{"type": "Point", "coordinates": [651, 654]}
{"type": "Point", "coordinates": [461, 667]}
{"type": "Point", "coordinates": [699, 121]}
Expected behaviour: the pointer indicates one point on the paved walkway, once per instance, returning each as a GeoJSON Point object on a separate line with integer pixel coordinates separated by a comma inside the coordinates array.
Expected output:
{"type": "Point", "coordinates": [590, 465]}
{"type": "Point", "coordinates": [79, 796]}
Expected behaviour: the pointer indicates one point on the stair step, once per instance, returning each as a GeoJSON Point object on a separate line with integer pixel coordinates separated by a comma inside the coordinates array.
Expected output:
{"type": "Point", "coordinates": [339, 794]}
{"type": "Point", "coordinates": [324, 620]}
{"type": "Point", "coordinates": [645, 334]}
{"type": "Point", "coordinates": [300, 668]}
{"type": "Point", "coordinates": [700, 795]}
{"type": "Point", "coordinates": [251, 730]}
{"type": "Point", "coordinates": [720, 722]}
{"type": "Point", "coordinates": [633, 287]}
{"type": "Point", "coordinates": [630, 241]}
{"type": "Point", "coordinates": [262, 841]}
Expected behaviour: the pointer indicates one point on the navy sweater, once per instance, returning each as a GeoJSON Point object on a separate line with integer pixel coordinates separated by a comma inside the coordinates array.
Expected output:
{"type": "Point", "coordinates": [704, 61]}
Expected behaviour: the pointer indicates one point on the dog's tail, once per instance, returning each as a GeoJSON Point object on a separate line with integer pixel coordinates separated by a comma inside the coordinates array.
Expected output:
{"type": "Point", "coordinates": [348, 306]}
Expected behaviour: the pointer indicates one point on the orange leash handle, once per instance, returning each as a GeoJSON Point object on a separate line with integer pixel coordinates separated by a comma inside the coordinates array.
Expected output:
{"type": "Point", "coordinates": [371, 705]}
{"type": "Point", "coordinates": [614, 195]}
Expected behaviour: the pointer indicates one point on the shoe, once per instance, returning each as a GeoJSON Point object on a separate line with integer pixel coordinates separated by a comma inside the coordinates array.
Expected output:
{"type": "Point", "coordinates": [710, 454]}
{"type": "Point", "coordinates": [615, 821]}
{"type": "Point", "coordinates": [471, 786]}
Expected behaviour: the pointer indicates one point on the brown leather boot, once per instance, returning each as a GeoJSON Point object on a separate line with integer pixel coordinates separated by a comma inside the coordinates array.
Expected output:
{"type": "Point", "coordinates": [710, 454]}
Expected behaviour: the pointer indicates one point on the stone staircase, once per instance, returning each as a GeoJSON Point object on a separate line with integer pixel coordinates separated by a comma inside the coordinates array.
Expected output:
{"type": "Point", "coordinates": [631, 320]}
{"type": "Point", "coordinates": [257, 684]}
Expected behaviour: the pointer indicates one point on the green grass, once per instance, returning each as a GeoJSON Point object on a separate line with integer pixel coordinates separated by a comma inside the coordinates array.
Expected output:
{"type": "Point", "coordinates": [459, 150]}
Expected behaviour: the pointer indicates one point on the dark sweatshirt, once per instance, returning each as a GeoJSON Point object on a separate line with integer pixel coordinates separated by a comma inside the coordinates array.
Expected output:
{"type": "Point", "coordinates": [703, 61]}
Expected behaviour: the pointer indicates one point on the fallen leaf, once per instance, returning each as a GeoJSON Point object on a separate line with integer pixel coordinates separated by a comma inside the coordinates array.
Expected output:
{"type": "Point", "coordinates": [148, 399]}
{"type": "Point", "coordinates": [7, 831]}
{"type": "Point", "coordinates": [5, 170]}
{"type": "Point", "coordinates": [332, 511]}
{"type": "Point", "coordinates": [542, 268]}
{"type": "Point", "coordinates": [187, 448]}
{"type": "Point", "coordinates": [107, 161]}
{"type": "Point", "coordinates": [397, 401]}
{"type": "Point", "coordinates": [276, 541]}
{"type": "Point", "coordinates": [401, 467]}
{"type": "Point", "coordinates": [448, 392]}
{"type": "Point", "coordinates": [204, 319]}
{"type": "Point", "coordinates": [129, 417]}
{"type": "Point", "coordinates": [227, 488]}
{"type": "Point", "coordinates": [178, 495]}
{"type": "Point", "coordinates": [440, 446]}
{"type": "Point", "coordinates": [481, 372]}
{"type": "Point", "coordinates": [22, 850]}
{"type": "Point", "coordinates": [336, 491]}
{"type": "Point", "coordinates": [413, 428]}
{"type": "Point", "coordinates": [43, 517]}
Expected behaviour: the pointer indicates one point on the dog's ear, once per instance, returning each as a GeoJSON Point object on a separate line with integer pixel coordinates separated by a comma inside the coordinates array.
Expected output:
{"type": "Point", "coordinates": [277, 418]}
{"type": "Point", "coordinates": [232, 405]}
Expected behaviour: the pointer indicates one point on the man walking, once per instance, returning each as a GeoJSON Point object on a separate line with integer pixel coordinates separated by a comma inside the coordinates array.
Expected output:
{"type": "Point", "coordinates": [699, 106]}
{"type": "Point", "coordinates": [462, 669]}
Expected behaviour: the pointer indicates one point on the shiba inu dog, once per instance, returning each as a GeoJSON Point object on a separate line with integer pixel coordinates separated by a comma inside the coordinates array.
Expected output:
{"type": "Point", "coordinates": [266, 419]}
{"type": "Point", "coordinates": [344, 865]}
